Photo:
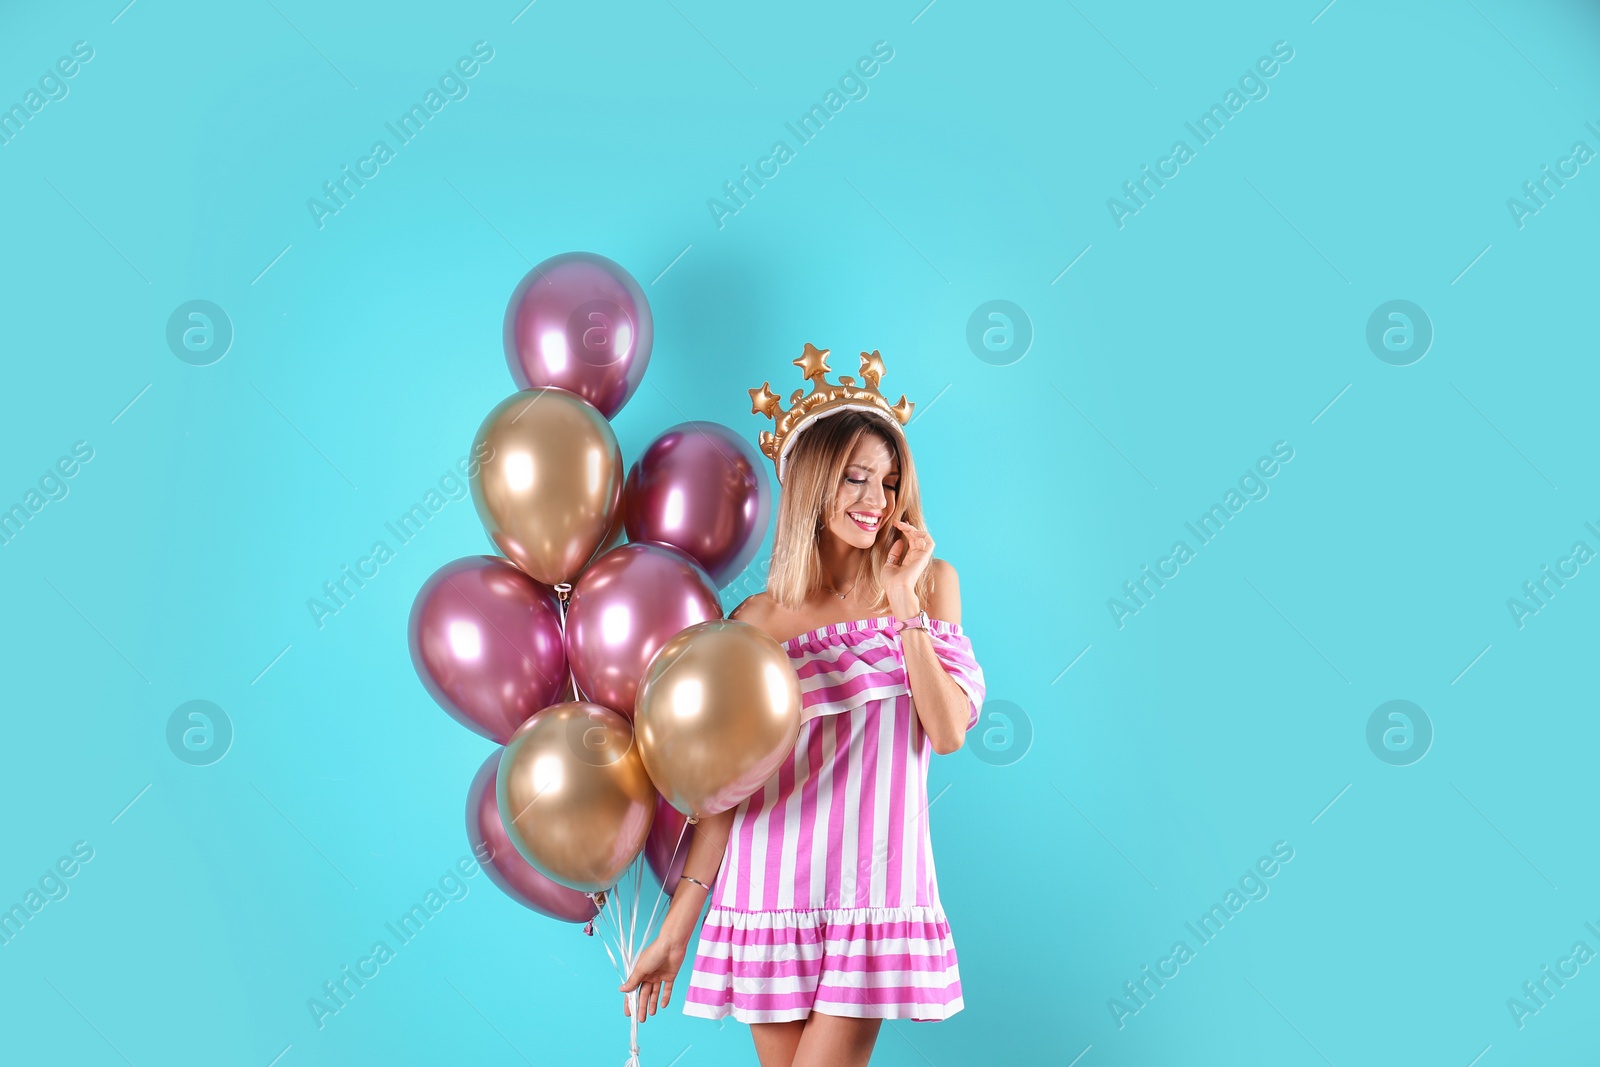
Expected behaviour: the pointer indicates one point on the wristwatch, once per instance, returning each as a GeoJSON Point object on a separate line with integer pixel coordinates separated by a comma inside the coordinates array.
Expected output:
{"type": "Point", "coordinates": [919, 621]}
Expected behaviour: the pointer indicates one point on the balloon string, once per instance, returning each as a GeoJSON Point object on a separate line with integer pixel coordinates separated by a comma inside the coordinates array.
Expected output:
{"type": "Point", "coordinates": [608, 927]}
{"type": "Point", "coordinates": [636, 873]}
{"type": "Point", "coordinates": [633, 1020]}
{"type": "Point", "coordinates": [564, 595]}
{"type": "Point", "coordinates": [563, 600]}
{"type": "Point", "coordinates": [619, 928]}
{"type": "Point", "coordinates": [610, 919]}
{"type": "Point", "coordinates": [609, 916]}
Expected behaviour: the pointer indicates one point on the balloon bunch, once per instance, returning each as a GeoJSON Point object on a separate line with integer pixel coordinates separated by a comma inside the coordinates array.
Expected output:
{"type": "Point", "coordinates": [593, 648]}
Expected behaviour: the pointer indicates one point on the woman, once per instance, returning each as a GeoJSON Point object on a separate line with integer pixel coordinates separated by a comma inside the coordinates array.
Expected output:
{"type": "Point", "coordinates": [825, 916]}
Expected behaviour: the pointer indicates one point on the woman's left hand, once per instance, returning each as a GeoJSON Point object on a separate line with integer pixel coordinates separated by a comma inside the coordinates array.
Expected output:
{"type": "Point", "coordinates": [909, 556]}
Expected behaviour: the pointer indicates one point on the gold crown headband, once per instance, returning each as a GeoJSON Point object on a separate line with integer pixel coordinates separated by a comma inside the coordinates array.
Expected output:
{"type": "Point", "coordinates": [823, 400]}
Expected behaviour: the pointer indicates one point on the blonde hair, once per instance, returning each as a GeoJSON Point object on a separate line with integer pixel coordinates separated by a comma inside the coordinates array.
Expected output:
{"type": "Point", "coordinates": [811, 474]}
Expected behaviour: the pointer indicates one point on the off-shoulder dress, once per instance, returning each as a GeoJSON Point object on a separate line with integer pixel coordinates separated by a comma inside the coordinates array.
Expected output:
{"type": "Point", "coordinates": [826, 897]}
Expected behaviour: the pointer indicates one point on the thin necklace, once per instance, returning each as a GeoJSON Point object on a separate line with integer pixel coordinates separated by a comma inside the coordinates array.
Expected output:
{"type": "Point", "coordinates": [842, 596]}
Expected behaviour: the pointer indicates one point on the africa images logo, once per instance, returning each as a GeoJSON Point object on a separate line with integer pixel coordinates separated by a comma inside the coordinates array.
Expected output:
{"type": "Point", "coordinates": [337, 193]}
{"type": "Point", "coordinates": [1137, 593]}
{"type": "Point", "coordinates": [1252, 86]}
{"type": "Point", "coordinates": [1137, 993]}
{"type": "Point", "coordinates": [852, 87]}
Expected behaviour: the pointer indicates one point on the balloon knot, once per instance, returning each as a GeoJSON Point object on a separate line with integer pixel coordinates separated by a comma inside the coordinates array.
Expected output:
{"type": "Point", "coordinates": [588, 928]}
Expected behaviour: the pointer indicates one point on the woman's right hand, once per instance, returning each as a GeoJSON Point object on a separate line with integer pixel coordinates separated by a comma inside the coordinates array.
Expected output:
{"type": "Point", "coordinates": [653, 973]}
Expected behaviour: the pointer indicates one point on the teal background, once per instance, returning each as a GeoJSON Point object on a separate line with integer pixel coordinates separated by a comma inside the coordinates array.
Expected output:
{"type": "Point", "coordinates": [1229, 314]}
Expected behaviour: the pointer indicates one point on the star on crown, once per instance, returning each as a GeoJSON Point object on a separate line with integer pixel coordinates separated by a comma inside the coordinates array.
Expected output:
{"type": "Point", "coordinates": [805, 408]}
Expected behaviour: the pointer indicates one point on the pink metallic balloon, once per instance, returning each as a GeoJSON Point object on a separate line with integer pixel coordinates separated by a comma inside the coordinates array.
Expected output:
{"type": "Point", "coordinates": [506, 868]}
{"type": "Point", "coordinates": [486, 642]}
{"type": "Point", "coordinates": [625, 606]}
{"type": "Point", "coordinates": [580, 322]}
{"type": "Point", "coordinates": [704, 489]}
{"type": "Point", "coordinates": [668, 844]}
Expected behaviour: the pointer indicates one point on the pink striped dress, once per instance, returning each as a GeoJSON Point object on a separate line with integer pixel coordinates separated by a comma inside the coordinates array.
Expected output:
{"type": "Point", "coordinates": [826, 897]}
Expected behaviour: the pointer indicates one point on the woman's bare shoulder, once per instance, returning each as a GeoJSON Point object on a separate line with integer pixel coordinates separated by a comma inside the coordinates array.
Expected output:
{"type": "Point", "coordinates": [761, 611]}
{"type": "Point", "coordinates": [944, 593]}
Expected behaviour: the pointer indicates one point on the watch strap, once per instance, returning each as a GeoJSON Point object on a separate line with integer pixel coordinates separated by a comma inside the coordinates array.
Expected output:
{"type": "Point", "coordinates": [919, 621]}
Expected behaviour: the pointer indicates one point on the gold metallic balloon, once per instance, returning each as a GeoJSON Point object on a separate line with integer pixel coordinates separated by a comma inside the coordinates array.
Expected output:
{"type": "Point", "coordinates": [574, 795]}
{"type": "Point", "coordinates": [549, 488]}
{"type": "Point", "coordinates": [718, 711]}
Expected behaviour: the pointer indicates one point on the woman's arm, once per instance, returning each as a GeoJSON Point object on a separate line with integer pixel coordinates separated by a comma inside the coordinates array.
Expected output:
{"type": "Point", "coordinates": [942, 705]}
{"type": "Point", "coordinates": [706, 851]}
{"type": "Point", "coordinates": [658, 964]}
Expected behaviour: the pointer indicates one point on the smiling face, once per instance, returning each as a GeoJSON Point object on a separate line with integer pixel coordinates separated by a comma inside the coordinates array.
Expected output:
{"type": "Point", "coordinates": [865, 498]}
